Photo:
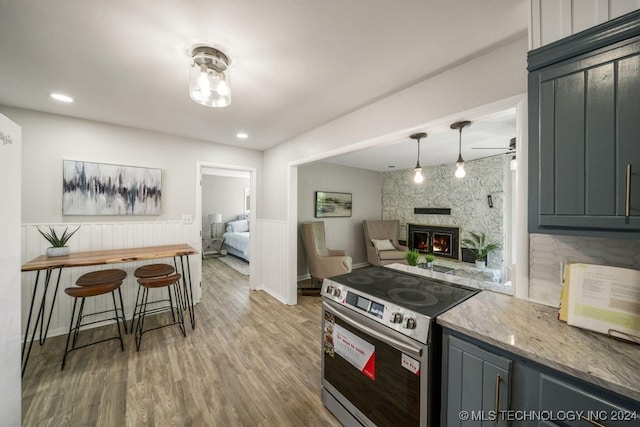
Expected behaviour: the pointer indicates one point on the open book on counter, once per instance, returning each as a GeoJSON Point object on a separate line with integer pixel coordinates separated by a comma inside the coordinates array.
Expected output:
{"type": "Point", "coordinates": [603, 299]}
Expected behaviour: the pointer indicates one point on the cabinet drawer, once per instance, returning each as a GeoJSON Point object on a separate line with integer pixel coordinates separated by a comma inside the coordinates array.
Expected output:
{"type": "Point", "coordinates": [558, 396]}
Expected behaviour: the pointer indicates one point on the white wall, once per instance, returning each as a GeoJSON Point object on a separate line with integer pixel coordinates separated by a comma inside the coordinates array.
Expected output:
{"type": "Point", "coordinates": [553, 20]}
{"type": "Point", "coordinates": [10, 177]}
{"type": "Point", "coordinates": [490, 78]}
{"type": "Point", "coordinates": [341, 233]}
{"type": "Point", "coordinates": [223, 195]}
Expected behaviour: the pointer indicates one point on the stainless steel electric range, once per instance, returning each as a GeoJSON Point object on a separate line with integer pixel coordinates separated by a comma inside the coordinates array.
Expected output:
{"type": "Point", "coordinates": [381, 347]}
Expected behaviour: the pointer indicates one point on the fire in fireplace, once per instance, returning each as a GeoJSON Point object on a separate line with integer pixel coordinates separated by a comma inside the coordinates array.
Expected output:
{"type": "Point", "coordinates": [438, 240]}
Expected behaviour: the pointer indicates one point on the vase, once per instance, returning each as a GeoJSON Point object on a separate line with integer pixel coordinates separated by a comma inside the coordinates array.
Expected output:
{"type": "Point", "coordinates": [480, 265]}
{"type": "Point", "coordinates": [430, 265]}
{"type": "Point", "coordinates": [59, 251]}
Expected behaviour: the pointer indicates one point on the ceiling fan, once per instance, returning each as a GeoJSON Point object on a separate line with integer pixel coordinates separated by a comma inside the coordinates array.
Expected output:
{"type": "Point", "coordinates": [511, 149]}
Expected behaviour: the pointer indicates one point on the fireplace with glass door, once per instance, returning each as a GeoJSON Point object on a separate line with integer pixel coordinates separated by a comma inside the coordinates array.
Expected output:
{"type": "Point", "coordinates": [441, 241]}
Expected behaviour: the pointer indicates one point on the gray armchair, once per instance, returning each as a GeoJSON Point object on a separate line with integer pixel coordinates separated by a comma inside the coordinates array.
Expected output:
{"type": "Point", "coordinates": [383, 230]}
{"type": "Point", "coordinates": [321, 261]}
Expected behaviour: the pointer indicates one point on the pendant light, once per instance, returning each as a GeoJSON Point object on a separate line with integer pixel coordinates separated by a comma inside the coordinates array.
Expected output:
{"type": "Point", "coordinates": [460, 173]}
{"type": "Point", "coordinates": [418, 178]}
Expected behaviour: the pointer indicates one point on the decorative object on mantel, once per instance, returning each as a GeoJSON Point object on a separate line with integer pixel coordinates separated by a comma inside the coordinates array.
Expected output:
{"type": "Point", "coordinates": [412, 257]}
{"type": "Point", "coordinates": [105, 189]}
{"type": "Point", "coordinates": [418, 178]}
{"type": "Point", "coordinates": [209, 77]}
{"type": "Point", "coordinates": [332, 204]}
{"type": "Point", "coordinates": [58, 242]}
{"type": "Point", "coordinates": [432, 211]}
{"type": "Point", "coordinates": [460, 173]}
{"type": "Point", "coordinates": [478, 243]}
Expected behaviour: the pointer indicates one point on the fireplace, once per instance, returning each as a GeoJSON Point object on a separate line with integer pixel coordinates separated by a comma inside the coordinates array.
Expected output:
{"type": "Point", "coordinates": [438, 240]}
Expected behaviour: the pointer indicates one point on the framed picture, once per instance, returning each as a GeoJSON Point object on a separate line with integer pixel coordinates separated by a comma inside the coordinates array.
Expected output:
{"type": "Point", "coordinates": [332, 204]}
{"type": "Point", "coordinates": [104, 189]}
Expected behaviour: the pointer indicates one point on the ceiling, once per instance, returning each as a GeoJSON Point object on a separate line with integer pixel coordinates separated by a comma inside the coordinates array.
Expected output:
{"type": "Point", "coordinates": [486, 136]}
{"type": "Point", "coordinates": [296, 64]}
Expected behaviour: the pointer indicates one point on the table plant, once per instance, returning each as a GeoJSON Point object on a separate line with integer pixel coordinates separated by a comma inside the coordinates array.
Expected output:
{"type": "Point", "coordinates": [58, 242]}
{"type": "Point", "coordinates": [481, 247]}
{"type": "Point", "coordinates": [429, 258]}
{"type": "Point", "coordinates": [412, 256]}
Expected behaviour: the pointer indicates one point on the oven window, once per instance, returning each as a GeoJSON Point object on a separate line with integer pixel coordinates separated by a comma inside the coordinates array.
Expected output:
{"type": "Point", "coordinates": [390, 394]}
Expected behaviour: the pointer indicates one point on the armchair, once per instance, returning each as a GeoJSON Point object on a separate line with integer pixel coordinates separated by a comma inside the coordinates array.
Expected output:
{"type": "Point", "coordinates": [321, 261]}
{"type": "Point", "coordinates": [388, 250]}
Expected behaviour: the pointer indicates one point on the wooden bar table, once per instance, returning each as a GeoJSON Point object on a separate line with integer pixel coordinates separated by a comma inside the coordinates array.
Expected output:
{"type": "Point", "coordinates": [83, 259]}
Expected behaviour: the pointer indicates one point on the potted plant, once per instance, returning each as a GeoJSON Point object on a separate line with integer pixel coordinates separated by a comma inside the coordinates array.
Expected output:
{"type": "Point", "coordinates": [412, 257]}
{"type": "Point", "coordinates": [58, 242]}
{"type": "Point", "coordinates": [429, 258]}
{"type": "Point", "coordinates": [478, 243]}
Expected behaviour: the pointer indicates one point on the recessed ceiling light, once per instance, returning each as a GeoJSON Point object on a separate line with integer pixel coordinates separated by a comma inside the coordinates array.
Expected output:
{"type": "Point", "coordinates": [60, 97]}
{"type": "Point", "coordinates": [242, 135]}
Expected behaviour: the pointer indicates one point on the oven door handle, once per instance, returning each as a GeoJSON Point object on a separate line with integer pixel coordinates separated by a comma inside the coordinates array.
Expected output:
{"type": "Point", "coordinates": [398, 345]}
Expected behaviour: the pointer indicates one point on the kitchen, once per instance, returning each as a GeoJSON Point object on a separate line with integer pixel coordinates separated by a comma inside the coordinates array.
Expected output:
{"type": "Point", "coordinates": [278, 225]}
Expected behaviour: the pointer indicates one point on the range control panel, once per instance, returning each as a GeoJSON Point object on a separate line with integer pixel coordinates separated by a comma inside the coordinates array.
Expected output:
{"type": "Point", "coordinates": [400, 319]}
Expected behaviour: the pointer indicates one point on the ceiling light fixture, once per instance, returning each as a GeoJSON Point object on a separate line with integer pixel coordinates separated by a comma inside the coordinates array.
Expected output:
{"type": "Point", "coordinates": [460, 172]}
{"type": "Point", "coordinates": [209, 77]}
{"type": "Point", "coordinates": [60, 97]}
{"type": "Point", "coordinates": [242, 135]}
{"type": "Point", "coordinates": [418, 178]}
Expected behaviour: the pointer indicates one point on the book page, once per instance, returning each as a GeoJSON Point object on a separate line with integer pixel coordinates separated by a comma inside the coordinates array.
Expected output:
{"type": "Point", "coordinates": [604, 298]}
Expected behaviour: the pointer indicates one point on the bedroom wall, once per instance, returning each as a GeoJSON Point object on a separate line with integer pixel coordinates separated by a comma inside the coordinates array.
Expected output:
{"type": "Point", "coordinates": [344, 232]}
{"type": "Point", "coordinates": [223, 195]}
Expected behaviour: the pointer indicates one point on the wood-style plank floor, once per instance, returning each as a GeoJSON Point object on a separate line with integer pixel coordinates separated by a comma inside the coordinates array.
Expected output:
{"type": "Point", "coordinates": [251, 361]}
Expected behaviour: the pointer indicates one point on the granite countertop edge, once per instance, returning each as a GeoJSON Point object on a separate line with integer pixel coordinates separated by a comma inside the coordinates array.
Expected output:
{"type": "Point", "coordinates": [532, 331]}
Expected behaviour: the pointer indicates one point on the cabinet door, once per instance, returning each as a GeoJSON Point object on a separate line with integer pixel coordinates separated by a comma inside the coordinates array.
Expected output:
{"type": "Point", "coordinates": [585, 142]}
{"type": "Point", "coordinates": [478, 383]}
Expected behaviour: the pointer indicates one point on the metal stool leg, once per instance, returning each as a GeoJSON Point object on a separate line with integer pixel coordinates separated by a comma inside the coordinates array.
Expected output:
{"type": "Point", "coordinates": [115, 311]}
{"type": "Point", "coordinates": [66, 347]}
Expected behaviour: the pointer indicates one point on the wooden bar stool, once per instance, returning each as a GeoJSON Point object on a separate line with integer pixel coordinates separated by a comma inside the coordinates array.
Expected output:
{"type": "Point", "coordinates": [172, 281]}
{"type": "Point", "coordinates": [146, 272]}
{"type": "Point", "coordinates": [87, 292]}
{"type": "Point", "coordinates": [106, 276]}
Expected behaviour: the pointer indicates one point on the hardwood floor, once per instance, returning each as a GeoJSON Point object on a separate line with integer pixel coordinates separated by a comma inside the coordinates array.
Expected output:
{"type": "Point", "coordinates": [251, 361]}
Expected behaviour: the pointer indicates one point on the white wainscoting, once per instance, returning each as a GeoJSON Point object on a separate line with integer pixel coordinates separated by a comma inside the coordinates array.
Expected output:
{"type": "Point", "coordinates": [96, 237]}
{"type": "Point", "coordinates": [274, 261]}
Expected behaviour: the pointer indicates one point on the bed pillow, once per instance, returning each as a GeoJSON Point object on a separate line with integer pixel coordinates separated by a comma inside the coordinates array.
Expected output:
{"type": "Point", "coordinates": [383, 245]}
{"type": "Point", "coordinates": [239, 226]}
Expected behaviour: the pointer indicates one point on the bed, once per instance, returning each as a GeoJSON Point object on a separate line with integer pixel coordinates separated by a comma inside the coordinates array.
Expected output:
{"type": "Point", "coordinates": [236, 237]}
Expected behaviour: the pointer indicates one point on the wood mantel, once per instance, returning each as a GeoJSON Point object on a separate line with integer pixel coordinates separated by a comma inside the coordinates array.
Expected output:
{"type": "Point", "coordinates": [113, 256]}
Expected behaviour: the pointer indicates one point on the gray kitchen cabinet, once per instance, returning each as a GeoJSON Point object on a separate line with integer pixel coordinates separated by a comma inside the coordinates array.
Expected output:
{"type": "Point", "coordinates": [584, 132]}
{"type": "Point", "coordinates": [531, 395]}
{"type": "Point", "coordinates": [478, 385]}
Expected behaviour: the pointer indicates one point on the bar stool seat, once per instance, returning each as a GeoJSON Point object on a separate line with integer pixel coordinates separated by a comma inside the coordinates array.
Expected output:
{"type": "Point", "coordinates": [82, 293]}
{"type": "Point", "coordinates": [154, 270]}
{"type": "Point", "coordinates": [172, 281]}
{"type": "Point", "coordinates": [101, 277]}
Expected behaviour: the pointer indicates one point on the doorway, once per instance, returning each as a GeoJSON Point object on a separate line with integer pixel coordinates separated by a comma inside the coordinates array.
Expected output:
{"type": "Point", "coordinates": [225, 210]}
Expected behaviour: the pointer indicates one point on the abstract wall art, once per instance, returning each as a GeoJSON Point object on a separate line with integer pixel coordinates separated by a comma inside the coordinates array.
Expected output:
{"type": "Point", "coordinates": [104, 189]}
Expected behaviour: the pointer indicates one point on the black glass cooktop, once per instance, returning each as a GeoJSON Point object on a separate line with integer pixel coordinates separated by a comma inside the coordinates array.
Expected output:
{"type": "Point", "coordinates": [421, 294]}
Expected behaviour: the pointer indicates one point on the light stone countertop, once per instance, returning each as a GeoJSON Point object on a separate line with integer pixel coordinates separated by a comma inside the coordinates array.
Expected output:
{"type": "Point", "coordinates": [533, 331]}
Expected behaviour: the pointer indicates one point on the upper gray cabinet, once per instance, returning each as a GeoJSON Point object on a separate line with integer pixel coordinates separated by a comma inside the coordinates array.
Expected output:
{"type": "Point", "coordinates": [584, 132]}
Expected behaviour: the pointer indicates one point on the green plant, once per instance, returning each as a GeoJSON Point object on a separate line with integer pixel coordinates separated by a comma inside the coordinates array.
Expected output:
{"type": "Point", "coordinates": [478, 242]}
{"type": "Point", "coordinates": [55, 240]}
{"type": "Point", "coordinates": [429, 257]}
{"type": "Point", "coordinates": [412, 257]}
